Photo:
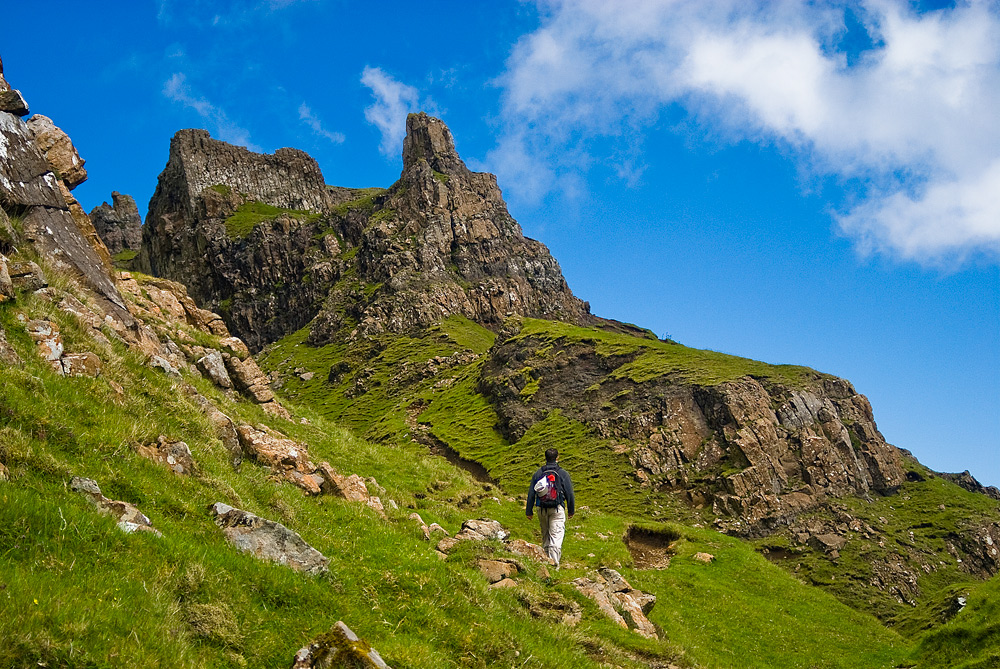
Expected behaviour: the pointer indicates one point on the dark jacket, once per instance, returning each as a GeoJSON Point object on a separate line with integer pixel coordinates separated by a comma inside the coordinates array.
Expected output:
{"type": "Point", "coordinates": [565, 485]}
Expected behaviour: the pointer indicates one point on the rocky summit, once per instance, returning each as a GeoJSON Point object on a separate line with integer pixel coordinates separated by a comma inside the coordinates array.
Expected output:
{"type": "Point", "coordinates": [285, 249]}
{"type": "Point", "coordinates": [302, 425]}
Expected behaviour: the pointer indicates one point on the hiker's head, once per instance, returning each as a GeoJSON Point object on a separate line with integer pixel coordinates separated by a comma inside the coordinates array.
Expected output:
{"type": "Point", "coordinates": [551, 455]}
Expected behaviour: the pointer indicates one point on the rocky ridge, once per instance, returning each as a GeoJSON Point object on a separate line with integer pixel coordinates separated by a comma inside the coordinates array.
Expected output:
{"type": "Point", "coordinates": [353, 262]}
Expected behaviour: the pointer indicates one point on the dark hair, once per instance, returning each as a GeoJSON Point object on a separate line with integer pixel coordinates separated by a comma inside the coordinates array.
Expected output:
{"type": "Point", "coordinates": [551, 455]}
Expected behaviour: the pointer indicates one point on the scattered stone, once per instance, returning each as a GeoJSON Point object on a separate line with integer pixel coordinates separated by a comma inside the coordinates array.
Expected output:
{"type": "Point", "coordinates": [482, 529]}
{"type": "Point", "coordinates": [308, 376]}
{"type": "Point", "coordinates": [498, 570]}
{"type": "Point", "coordinates": [619, 601]}
{"type": "Point", "coordinates": [81, 364]}
{"type": "Point", "coordinates": [828, 542]}
{"type": "Point", "coordinates": [235, 346]}
{"type": "Point", "coordinates": [503, 583]}
{"type": "Point", "coordinates": [161, 363]}
{"type": "Point", "coordinates": [704, 557]}
{"type": "Point", "coordinates": [174, 454]}
{"type": "Point", "coordinates": [27, 275]}
{"type": "Point", "coordinates": [528, 550]}
{"type": "Point", "coordinates": [268, 540]}
{"type": "Point", "coordinates": [248, 378]}
{"type": "Point", "coordinates": [46, 336]}
{"type": "Point", "coordinates": [288, 458]}
{"type": "Point", "coordinates": [129, 518]}
{"type": "Point", "coordinates": [215, 369]}
{"type": "Point", "coordinates": [4, 473]}
{"type": "Point", "coordinates": [351, 488]}
{"type": "Point", "coordinates": [340, 647]}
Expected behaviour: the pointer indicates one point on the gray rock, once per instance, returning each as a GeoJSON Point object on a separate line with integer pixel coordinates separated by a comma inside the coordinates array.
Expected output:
{"type": "Point", "coordinates": [26, 275]}
{"type": "Point", "coordinates": [129, 518]}
{"type": "Point", "coordinates": [268, 540]}
{"type": "Point", "coordinates": [215, 369]}
{"type": "Point", "coordinates": [119, 224]}
{"type": "Point", "coordinates": [340, 648]}
{"type": "Point", "coordinates": [13, 102]}
{"type": "Point", "coordinates": [6, 285]}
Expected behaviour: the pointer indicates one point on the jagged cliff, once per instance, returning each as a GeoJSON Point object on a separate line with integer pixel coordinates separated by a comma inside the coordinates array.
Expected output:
{"type": "Point", "coordinates": [283, 248]}
{"type": "Point", "coordinates": [118, 224]}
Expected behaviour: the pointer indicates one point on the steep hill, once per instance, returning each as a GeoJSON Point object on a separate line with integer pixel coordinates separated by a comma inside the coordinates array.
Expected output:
{"type": "Point", "coordinates": [165, 502]}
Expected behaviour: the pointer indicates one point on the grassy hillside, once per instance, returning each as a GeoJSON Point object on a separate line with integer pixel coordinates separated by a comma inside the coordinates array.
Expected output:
{"type": "Point", "coordinates": [75, 591]}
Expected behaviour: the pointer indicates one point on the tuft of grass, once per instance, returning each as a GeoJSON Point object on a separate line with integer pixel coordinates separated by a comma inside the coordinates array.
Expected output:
{"type": "Point", "coordinates": [251, 214]}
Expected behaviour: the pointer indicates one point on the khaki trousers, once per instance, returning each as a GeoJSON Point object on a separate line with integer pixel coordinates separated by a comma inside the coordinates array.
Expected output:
{"type": "Point", "coordinates": [553, 523]}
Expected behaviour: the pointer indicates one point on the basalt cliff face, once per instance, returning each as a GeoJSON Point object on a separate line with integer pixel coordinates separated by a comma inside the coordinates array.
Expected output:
{"type": "Point", "coordinates": [283, 249]}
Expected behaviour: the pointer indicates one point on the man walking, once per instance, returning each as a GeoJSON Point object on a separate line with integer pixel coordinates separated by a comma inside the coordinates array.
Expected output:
{"type": "Point", "coordinates": [551, 490]}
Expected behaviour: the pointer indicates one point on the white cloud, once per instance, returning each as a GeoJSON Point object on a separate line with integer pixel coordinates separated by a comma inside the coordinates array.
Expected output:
{"type": "Point", "coordinates": [306, 116]}
{"type": "Point", "coordinates": [177, 90]}
{"type": "Point", "coordinates": [912, 120]}
{"type": "Point", "coordinates": [393, 101]}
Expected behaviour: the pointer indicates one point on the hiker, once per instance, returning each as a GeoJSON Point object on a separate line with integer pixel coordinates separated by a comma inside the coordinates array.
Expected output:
{"type": "Point", "coordinates": [551, 490]}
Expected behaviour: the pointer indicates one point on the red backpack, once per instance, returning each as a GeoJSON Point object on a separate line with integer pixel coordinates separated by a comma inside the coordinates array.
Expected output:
{"type": "Point", "coordinates": [547, 490]}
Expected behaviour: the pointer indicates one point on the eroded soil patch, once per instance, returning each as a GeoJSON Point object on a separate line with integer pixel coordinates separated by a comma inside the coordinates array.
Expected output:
{"type": "Point", "coordinates": [650, 549]}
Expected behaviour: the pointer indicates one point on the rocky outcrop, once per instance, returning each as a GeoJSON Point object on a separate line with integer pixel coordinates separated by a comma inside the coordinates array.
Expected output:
{"type": "Point", "coordinates": [58, 150]}
{"type": "Point", "coordinates": [261, 240]}
{"type": "Point", "coordinates": [340, 647]}
{"type": "Point", "coordinates": [758, 451]}
{"type": "Point", "coordinates": [619, 601]}
{"type": "Point", "coordinates": [34, 186]}
{"type": "Point", "coordinates": [173, 454]}
{"type": "Point", "coordinates": [118, 224]}
{"type": "Point", "coordinates": [268, 279]}
{"type": "Point", "coordinates": [128, 516]}
{"type": "Point", "coordinates": [441, 242]}
{"type": "Point", "coordinates": [267, 540]}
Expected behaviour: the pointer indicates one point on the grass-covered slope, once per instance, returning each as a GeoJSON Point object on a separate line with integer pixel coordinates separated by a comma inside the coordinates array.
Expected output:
{"type": "Point", "coordinates": [75, 591]}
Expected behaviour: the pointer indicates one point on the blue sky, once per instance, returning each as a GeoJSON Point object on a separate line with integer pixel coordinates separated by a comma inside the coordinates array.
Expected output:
{"type": "Point", "coordinates": [811, 183]}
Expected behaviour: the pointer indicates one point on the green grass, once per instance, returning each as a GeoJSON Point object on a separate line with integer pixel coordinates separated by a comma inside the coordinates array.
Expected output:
{"type": "Point", "coordinates": [251, 214]}
{"type": "Point", "coordinates": [75, 591]}
{"type": "Point", "coordinates": [654, 358]}
{"type": "Point", "coordinates": [971, 640]}
{"type": "Point", "coordinates": [365, 202]}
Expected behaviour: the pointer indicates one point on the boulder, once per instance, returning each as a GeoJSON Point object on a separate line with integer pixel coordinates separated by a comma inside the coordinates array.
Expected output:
{"type": "Point", "coordinates": [619, 601]}
{"type": "Point", "coordinates": [59, 150]}
{"type": "Point", "coordinates": [267, 539]}
{"type": "Point", "coordinates": [286, 457]}
{"type": "Point", "coordinates": [340, 647]}
{"type": "Point", "coordinates": [498, 570]}
{"type": "Point", "coordinates": [248, 378]}
{"type": "Point", "coordinates": [129, 518]}
{"type": "Point", "coordinates": [6, 285]}
{"type": "Point", "coordinates": [212, 365]}
{"type": "Point", "coordinates": [704, 557]}
{"type": "Point", "coordinates": [26, 275]}
{"type": "Point", "coordinates": [81, 364]}
{"type": "Point", "coordinates": [175, 455]}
